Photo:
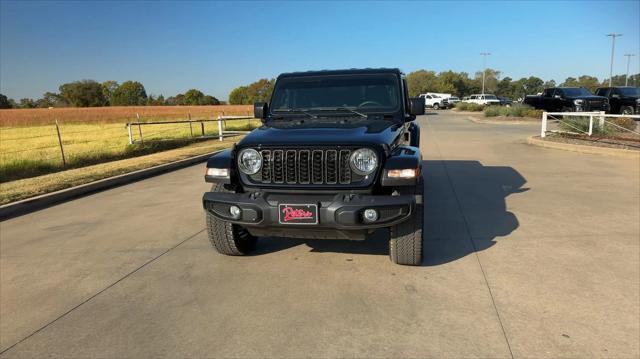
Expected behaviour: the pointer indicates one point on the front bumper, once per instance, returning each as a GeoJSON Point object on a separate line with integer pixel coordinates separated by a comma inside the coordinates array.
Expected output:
{"type": "Point", "coordinates": [341, 213]}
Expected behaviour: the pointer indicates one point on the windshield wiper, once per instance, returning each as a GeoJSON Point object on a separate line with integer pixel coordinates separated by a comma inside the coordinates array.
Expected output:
{"type": "Point", "coordinates": [298, 110]}
{"type": "Point", "coordinates": [342, 109]}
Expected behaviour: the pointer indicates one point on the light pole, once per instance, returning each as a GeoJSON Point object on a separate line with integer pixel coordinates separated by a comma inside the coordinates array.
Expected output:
{"type": "Point", "coordinates": [613, 46]}
{"type": "Point", "coordinates": [484, 67]}
{"type": "Point", "coordinates": [626, 78]}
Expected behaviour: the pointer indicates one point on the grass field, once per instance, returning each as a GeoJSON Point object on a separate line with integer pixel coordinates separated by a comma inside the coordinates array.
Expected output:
{"type": "Point", "coordinates": [119, 114]}
{"type": "Point", "coordinates": [29, 145]}
{"type": "Point", "coordinates": [29, 187]}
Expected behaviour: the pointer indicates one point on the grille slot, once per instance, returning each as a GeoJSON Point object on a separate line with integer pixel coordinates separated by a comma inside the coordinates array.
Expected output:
{"type": "Point", "coordinates": [345, 170]}
{"type": "Point", "coordinates": [317, 167]}
{"type": "Point", "coordinates": [306, 167]}
{"type": "Point", "coordinates": [277, 167]}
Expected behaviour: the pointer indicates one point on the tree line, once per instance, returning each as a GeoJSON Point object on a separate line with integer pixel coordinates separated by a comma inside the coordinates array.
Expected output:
{"type": "Point", "coordinates": [90, 93]}
{"type": "Point", "coordinates": [457, 83]}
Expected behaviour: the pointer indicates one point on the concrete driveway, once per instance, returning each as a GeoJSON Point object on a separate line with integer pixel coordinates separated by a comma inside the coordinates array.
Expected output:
{"type": "Point", "coordinates": [529, 253]}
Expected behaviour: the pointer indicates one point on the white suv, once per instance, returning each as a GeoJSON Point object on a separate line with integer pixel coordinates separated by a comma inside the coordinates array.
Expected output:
{"type": "Point", "coordinates": [485, 99]}
{"type": "Point", "coordinates": [434, 101]}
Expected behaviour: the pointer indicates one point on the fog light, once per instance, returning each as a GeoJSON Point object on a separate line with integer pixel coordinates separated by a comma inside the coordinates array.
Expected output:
{"type": "Point", "coordinates": [370, 215]}
{"type": "Point", "coordinates": [234, 211]}
{"type": "Point", "coordinates": [404, 173]}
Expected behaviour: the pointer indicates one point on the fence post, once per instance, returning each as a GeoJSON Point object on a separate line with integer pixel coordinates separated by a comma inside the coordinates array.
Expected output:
{"type": "Point", "coordinates": [202, 127]}
{"type": "Point", "coordinates": [140, 132]}
{"type": "Point", "coordinates": [601, 122]}
{"type": "Point", "coordinates": [219, 128]}
{"type": "Point", "coordinates": [190, 127]}
{"type": "Point", "coordinates": [590, 125]}
{"type": "Point", "coordinates": [130, 134]}
{"type": "Point", "coordinates": [64, 160]}
{"type": "Point", "coordinates": [543, 130]}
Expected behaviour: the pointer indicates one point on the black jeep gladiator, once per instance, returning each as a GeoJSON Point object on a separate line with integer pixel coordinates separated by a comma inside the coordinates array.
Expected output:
{"type": "Point", "coordinates": [337, 157]}
{"type": "Point", "coordinates": [622, 99]}
{"type": "Point", "coordinates": [567, 99]}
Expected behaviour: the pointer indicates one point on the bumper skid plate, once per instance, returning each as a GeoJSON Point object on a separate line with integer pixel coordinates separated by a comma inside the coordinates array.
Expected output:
{"type": "Point", "coordinates": [341, 211]}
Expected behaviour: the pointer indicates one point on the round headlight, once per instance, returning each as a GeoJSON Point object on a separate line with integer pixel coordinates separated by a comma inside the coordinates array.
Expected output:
{"type": "Point", "coordinates": [249, 161]}
{"type": "Point", "coordinates": [364, 161]}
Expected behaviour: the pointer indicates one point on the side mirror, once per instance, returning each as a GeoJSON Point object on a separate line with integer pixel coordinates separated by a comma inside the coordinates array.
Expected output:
{"type": "Point", "coordinates": [417, 106]}
{"type": "Point", "coordinates": [260, 110]}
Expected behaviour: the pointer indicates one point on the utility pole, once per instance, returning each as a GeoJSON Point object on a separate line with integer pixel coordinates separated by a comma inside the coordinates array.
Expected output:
{"type": "Point", "coordinates": [626, 78]}
{"type": "Point", "coordinates": [484, 67]}
{"type": "Point", "coordinates": [613, 46]}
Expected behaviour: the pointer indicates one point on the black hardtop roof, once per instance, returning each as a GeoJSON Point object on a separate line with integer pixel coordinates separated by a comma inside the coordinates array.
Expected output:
{"type": "Point", "coordinates": [342, 72]}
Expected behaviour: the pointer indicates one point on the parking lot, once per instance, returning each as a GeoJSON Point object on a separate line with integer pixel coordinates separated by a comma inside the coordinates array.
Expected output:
{"type": "Point", "coordinates": [529, 253]}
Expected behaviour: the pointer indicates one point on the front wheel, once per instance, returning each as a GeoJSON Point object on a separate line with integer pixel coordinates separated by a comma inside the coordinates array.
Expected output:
{"type": "Point", "coordinates": [436, 106]}
{"type": "Point", "coordinates": [228, 238]}
{"type": "Point", "coordinates": [626, 110]}
{"type": "Point", "coordinates": [405, 244]}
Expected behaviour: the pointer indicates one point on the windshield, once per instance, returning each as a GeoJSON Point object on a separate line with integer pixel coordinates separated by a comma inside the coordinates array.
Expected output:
{"type": "Point", "coordinates": [630, 91]}
{"type": "Point", "coordinates": [576, 91]}
{"type": "Point", "coordinates": [369, 92]}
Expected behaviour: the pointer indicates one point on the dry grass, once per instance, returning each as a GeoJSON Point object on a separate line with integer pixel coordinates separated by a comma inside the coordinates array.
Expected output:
{"type": "Point", "coordinates": [44, 116]}
{"type": "Point", "coordinates": [34, 151]}
{"type": "Point", "coordinates": [26, 188]}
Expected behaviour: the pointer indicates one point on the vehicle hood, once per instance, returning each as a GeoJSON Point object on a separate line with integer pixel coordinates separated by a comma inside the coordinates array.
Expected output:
{"type": "Point", "coordinates": [379, 133]}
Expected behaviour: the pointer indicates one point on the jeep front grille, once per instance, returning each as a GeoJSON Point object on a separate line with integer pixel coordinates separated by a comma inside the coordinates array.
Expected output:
{"type": "Point", "coordinates": [305, 166]}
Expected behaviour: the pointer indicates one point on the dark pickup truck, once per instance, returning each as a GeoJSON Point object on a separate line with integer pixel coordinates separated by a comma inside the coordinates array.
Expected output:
{"type": "Point", "coordinates": [568, 99]}
{"type": "Point", "coordinates": [623, 100]}
{"type": "Point", "coordinates": [337, 157]}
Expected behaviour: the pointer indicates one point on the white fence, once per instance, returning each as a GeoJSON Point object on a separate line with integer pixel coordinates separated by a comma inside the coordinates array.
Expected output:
{"type": "Point", "coordinates": [561, 117]}
{"type": "Point", "coordinates": [195, 126]}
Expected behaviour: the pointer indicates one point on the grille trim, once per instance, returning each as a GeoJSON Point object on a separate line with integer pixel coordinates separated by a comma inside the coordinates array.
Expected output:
{"type": "Point", "coordinates": [307, 167]}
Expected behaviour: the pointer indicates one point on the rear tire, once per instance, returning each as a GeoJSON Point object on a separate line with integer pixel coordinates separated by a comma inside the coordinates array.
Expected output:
{"type": "Point", "coordinates": [405, 244]}
{"type": "Point", "coordinates": [228, 238]}
{"type": "Point", "coordinates": [626, 110]}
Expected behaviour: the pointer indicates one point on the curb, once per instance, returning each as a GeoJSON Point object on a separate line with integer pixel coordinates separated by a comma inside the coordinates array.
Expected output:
{"type": "Point", "coordinates": [592, 150]}
{"type": "Point", "coordinates": [499, 122]}
{"type": "Point", "coordinates": [42, 201]}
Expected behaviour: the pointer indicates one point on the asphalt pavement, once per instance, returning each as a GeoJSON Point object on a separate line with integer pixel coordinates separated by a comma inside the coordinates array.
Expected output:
{"type": "Point", "coordinates": [529, 252]}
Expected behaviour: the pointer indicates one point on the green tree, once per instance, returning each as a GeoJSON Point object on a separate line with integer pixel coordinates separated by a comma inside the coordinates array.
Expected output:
{"type": "Point", "coordinates": [83, 93]}
{"type": "Point", "coordinates": [129, 93]}
{"type": "Point", "coordinates": [4, 102]}
{"type": "Point", "coordinates": [108, 87]}
{"type": "Point", "coordinates": [27, 103]}
{"type": "Point", "coordinates": [259, 91]}
{"type": "Point", "coordinates": [421, 81]}
{"type": "Point", "coordinates": [570, 82]}
{"type": "Point", "coordinates": [51, 99]}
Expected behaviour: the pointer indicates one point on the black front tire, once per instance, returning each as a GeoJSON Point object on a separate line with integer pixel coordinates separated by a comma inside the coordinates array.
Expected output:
{"type": "Point", "coordinates": [228, 238]}
{"type": "Point", "coordinates": [405, 244]}
{"type": "Point", "coordinates": [626, 110]}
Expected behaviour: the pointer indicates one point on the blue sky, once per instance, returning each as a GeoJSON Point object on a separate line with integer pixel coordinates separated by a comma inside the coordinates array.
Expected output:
{"type": "Point", "coordinates": [215, 46]}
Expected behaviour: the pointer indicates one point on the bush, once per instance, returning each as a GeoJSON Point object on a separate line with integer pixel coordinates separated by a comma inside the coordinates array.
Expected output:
{"type": "Point", "coordinates": [624, 122]}
{"type": "Point", "coordinates": [516, 110]}
{"type": "Point", "coordinates": [581, 125]}
{"type": "Point", "coordinates": [467, 106]}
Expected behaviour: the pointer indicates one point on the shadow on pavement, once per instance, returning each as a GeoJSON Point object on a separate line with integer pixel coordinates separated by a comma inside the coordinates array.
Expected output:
{"type": "Point", "coordinates": [461, 199]}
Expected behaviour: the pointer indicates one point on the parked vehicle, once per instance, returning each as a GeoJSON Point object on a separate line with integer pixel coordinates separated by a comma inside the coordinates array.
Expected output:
{"type": "Point", "coordinates": [622, 99]}
{"type": "Point", "coordinates": [337, 157]}
{"type": "Point", "coordinates": [567, 99]}
{"type": "Point", "coordinates": [453, 100]}
{"type": "Point", "coordinates": [505, 101]}
{"type": "Point", "coordinates": [484, 100]}
{"type": "Point", "coordinates": [434, 101]}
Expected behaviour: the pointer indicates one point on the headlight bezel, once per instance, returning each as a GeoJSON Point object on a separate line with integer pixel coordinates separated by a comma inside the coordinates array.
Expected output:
{"type": "Point", "coordinates": [364, 172]}
{"type": "Point", "coordinates": [243, 167]}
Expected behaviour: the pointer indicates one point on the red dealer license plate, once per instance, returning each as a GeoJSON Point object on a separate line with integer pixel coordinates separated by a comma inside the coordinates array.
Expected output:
{"type": "Point", "coordinates": [298, 213]}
